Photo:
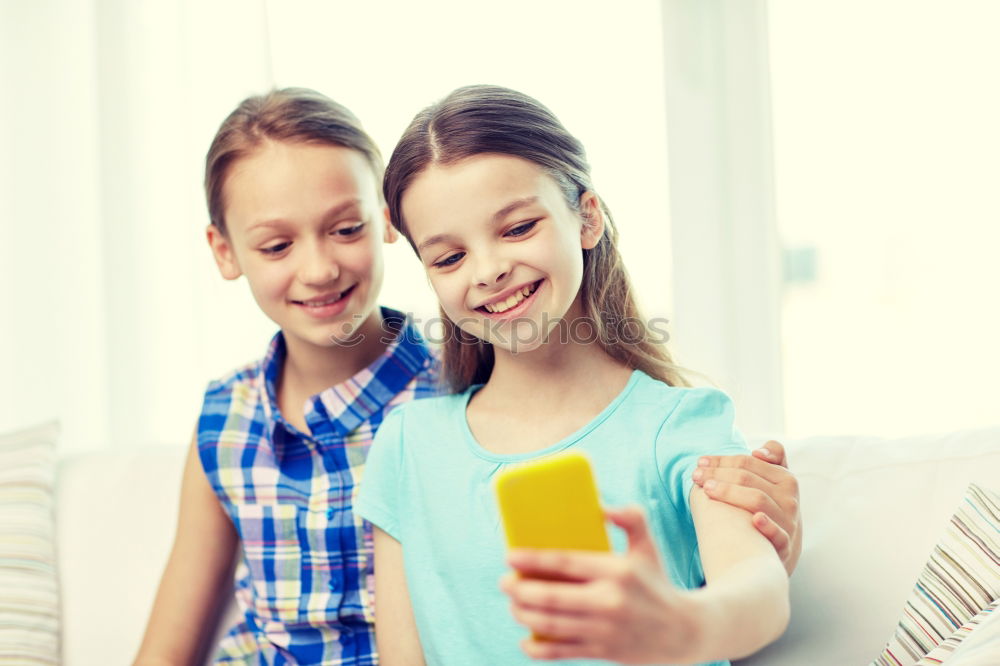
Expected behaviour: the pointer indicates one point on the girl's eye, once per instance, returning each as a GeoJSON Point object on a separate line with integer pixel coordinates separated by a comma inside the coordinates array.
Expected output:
{"type": "Point", "coordinates": [275, 249]}
{"type": "Point", "coordinates": [450, 260]}
{"type": "Point", "coordinates": [522, 229]}
{"type": "Point", "coordinates": [350, 231]}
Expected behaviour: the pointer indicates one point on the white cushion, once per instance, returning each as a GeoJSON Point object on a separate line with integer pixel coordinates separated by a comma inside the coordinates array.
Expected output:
{"type": "Point", "coordinates": [116, 516]}
{"type": "Point", "coordinates": [873, 509]}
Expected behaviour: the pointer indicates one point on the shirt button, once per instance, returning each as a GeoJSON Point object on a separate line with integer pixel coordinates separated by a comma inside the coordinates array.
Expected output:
{"type": "Point", "coordinates": [329, 514]}
{"type": "Point", "coordinates": [332, 585]}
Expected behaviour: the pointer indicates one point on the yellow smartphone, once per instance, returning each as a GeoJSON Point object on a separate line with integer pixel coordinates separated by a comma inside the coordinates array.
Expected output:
{"type": "Point", "coordinates": [552, 504]}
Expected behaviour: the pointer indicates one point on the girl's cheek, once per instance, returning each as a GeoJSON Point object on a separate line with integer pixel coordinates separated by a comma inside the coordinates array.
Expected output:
{"type": "Point", "coordinates": [357, 259]}
{"type": "Point", "coordinates": [367, 257]}
{"type": "Point", "coordinates": [448, 290]}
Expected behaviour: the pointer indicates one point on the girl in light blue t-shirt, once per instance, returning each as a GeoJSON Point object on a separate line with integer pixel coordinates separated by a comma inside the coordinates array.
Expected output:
{"type": "Point", "coordinates": [547, 352]}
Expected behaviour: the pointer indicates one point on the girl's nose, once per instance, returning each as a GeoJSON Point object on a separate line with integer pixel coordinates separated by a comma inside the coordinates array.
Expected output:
{"type": "Point", "coordinates": [491, 271]}
{"type": "Point", "coordinates": [318, 267]}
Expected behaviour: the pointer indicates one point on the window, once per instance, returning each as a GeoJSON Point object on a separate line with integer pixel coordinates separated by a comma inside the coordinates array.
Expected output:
{"type": "Point", "coordinates": [887, 164]}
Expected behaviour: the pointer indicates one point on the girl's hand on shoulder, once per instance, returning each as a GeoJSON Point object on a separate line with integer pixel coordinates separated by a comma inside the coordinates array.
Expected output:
{"type": "Point", "coordinates": [601, 605]}
{"type": "Point", "coordinates": [761, 484]}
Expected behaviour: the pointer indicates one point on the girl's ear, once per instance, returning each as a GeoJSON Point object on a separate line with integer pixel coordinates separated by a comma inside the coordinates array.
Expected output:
{"type": "Point", "coordinates": [390, 234]}
{"type": "Point", "coordinates": [222, 250]}
{"type": "Point", "coordinates": [593, 220]}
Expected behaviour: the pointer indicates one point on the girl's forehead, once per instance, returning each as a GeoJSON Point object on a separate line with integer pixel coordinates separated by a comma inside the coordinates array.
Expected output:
{"type": "Point", "coordinates": [475, 186]}
{"type": "Point", "coordinates": [282, 179]}
{"type": "Point", "coordinates": [278, 158]}
{"type": "Point", "coordinates": [495, 164]}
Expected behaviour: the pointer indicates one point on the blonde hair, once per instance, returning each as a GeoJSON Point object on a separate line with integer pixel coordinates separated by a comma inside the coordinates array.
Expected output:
{"type": "Point", "coordinates": [490, 119]}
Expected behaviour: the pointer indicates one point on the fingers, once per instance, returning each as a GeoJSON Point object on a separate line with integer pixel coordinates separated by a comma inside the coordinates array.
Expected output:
{"type": "Point", "coordinates": [774, 533]}
{"type": "Point", "coordinates": [561, 650]}
{"type": "Point", "coordinates": [751, 499]}
{"type": "Point", "coordinates": [590, 604]}
{"type": "Point", "coordinates": [554, 626]}
{"type": "Point", "coordinates": [774, 452]}
{"type": "Point", "coordinates": [582, 565]}
{"type": "Point", "coordinates": [568, 614]}
{"type": "Point", "coordinates": [632, 519]}
{"type": "Point", "coordinates": [733, 476]}
{"type": "Point", "coordinates": [555, 596]}
{"type": "Point", "coordinates": [771, 472]}
{"type": "Point", "coordinates": [565, 564]}
{"type": "Point", "coordinates": [562, 634]}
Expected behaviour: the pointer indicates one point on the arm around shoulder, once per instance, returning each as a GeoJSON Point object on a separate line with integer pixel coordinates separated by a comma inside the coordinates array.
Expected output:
{"type": "Point", "coordinates": [191, 594]}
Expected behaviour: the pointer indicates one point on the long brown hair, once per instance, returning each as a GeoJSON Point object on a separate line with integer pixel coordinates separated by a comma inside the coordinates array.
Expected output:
{"type": "Point", "coordinates": [473, 120]}
{"type": "Point", "coordinates": [286, 114]}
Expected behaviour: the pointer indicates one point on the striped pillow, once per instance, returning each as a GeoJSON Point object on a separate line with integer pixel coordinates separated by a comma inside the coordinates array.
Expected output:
{"type": "Point", "coordinates": [970, 638]}
{"type": "Point", "coordinates": [960, 580]}
{"type": "Point", "coordinates": [29, 594]}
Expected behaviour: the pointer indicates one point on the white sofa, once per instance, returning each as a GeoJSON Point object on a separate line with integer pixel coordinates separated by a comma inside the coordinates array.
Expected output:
{"type": "Point", "coordinates": [873, 510]}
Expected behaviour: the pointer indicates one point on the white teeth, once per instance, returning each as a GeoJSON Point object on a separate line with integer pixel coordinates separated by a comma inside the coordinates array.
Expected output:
{"type": "Point", "coordinates": [511, 301]}
{"type": "Point", "coordinates": [319, 304]}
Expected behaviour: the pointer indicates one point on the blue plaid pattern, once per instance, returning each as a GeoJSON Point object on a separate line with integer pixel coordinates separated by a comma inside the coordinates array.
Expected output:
{"type": "Point", "coordinates": [305, 583]}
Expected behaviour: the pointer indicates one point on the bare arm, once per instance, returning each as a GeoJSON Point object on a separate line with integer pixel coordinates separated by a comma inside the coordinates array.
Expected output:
{"type": "Point", "coordinates": [745, 599]}
{"type": "Point", "coordinates": [192, 590]}
{"type": "Point", "coordinates": [395, 628]}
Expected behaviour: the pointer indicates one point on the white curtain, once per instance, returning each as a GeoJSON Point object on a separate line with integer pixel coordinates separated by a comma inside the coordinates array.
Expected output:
{"type": "Point", "coordinates": [114, 314]}
{"type": "Point", "coordinates": [107, 110]}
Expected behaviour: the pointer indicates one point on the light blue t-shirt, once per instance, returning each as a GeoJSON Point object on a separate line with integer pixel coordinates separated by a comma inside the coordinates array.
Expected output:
{"type": "Point", "coordinates": [429, 484]}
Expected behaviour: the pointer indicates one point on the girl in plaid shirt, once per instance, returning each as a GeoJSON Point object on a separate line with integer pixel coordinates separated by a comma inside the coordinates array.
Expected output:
{"type": "Point", "coordinates": [294, 195]}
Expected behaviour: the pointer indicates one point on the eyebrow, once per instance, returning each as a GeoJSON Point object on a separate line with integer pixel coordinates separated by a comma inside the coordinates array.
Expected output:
{"type": "Point", "coordinates": [512, 206]}
{"type": "Point", "coordinates": [333, 212]}
{"type": "Point", "coordinates": [497, 216]}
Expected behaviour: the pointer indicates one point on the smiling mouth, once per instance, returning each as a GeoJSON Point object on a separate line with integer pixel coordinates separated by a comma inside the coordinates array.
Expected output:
{"type": "Point", "coordinates": [511, 301]}
{"type": "Point", "coordinates": [328, 300]}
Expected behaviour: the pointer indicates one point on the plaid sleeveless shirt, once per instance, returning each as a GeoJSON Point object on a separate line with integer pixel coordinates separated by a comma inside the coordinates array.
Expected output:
{"type": "Point", "coordinates": [304, 583]}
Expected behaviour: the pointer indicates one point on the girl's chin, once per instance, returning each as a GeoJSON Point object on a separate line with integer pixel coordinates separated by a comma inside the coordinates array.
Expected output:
{"type": "Point", "coordinates": [343, 332]}
{"type": "Point", "coordinates": [515, 337]}
{"type": "Point", "coordinates": [324, 340]}
{"type": "Point", "coordinates": [519, 348]}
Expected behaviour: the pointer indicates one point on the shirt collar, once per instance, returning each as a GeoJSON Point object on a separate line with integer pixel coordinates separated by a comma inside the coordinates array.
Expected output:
{"type": "Point", "coordinates": [270, 372]}
{"type": "Point", "coordinates": [350, 403]}
{"type": "Point", "coordinates": [345, 406]}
